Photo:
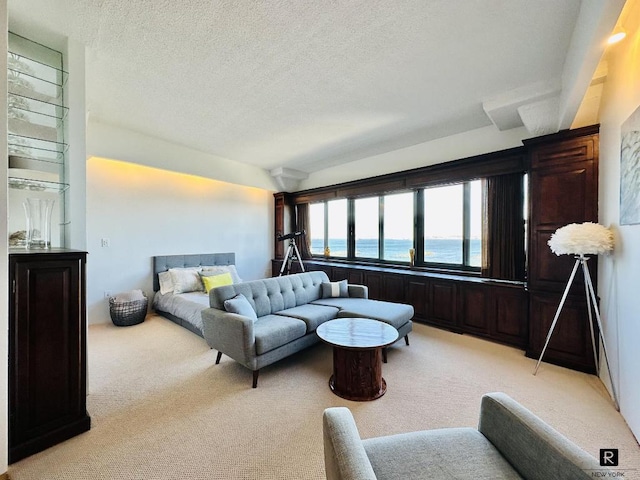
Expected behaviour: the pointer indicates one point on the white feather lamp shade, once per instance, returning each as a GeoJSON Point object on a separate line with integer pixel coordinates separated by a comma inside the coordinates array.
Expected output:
{"type": "Point", "coordinates": [581, 239]}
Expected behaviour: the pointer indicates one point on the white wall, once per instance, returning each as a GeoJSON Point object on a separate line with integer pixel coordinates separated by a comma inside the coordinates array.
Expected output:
{"type": "Point", "coordinates": [145, 211]}
{"type": "Point", "coordinates": [467, 144]}
{"type": "Point", "coordinates": [109, 141]}
{"type": "Point", "coordinates": [619, 275]}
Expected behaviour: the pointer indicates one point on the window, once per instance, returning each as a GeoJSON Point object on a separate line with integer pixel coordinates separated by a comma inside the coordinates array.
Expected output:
{"type": "Point", "coordinates": [397, 227]}
{"type": "Point", "coordinates": [337, 227]}
{"type": "Point", "coordinates": [443, 224]}
{"type": "Point", "coordinates": [444, 221]}
{"type": "Point", "coordinates": [367, 227]}
{"type": "Point", "coordinates": [316, 230]}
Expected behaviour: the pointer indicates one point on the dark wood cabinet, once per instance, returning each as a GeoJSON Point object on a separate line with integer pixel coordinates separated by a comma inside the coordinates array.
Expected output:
{"type": "Point", "coordinates": [563, 186]}
{"type": "Point", "coordinates": [47, 349]}
{"type": "Point", "coordinates": [282, 222]}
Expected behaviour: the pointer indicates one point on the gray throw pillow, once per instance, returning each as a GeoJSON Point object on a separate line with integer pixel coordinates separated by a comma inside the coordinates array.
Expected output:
{"type": "Point", "coordinates": [240, 305]}
{"type": "Point", "coordinates": [335, 289]}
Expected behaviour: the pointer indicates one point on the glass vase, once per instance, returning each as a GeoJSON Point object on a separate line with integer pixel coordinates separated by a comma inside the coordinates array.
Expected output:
{"type": "Point", "coordinates": [38, 212]}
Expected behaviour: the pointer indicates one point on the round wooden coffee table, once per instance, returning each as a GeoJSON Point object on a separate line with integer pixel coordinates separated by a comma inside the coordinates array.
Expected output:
{"type": "Point", "coordinates": [357, 356]}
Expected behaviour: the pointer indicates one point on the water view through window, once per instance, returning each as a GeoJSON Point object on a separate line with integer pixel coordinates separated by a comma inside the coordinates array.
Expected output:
{"type": "Point", "coordinates": [383, 227]}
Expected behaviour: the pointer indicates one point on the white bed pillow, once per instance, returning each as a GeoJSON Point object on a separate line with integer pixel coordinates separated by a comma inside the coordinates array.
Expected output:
{"type": "Point", "coordinates": [218, 269]}
{"type": "Point", "coordinates": [166, 284]}
{"type": "Point", "coordinates": [186, 280]}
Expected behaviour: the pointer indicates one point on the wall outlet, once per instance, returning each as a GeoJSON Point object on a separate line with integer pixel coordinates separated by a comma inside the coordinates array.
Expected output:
{"type": "Point", "coordinates": [105, 242]}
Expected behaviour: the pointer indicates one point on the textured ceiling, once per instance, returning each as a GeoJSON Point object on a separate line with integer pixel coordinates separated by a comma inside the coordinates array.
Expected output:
{"type": "Point", "coordinates": [310, 84]}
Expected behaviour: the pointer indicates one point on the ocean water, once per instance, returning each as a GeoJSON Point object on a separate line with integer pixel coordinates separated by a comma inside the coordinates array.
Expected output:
{"type": "Point", "coordinates": [437, 250]}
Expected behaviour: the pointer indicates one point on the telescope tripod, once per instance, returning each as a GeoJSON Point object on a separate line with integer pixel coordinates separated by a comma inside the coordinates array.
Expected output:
{"type": "Point", "coordinates": [291, 255]}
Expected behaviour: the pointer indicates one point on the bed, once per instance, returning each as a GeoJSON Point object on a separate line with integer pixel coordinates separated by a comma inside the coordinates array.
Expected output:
{"type": "Point", "coordinates": [185, 308]}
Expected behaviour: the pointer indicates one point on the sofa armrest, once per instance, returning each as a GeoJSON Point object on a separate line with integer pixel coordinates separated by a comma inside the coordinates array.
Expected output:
{"type": "Point", "coordinates": [530, 445]}
{"type": "Point", "coordinates": [344, 454]}
{"type": "Point", "coordinates": [358, 291]}
{"type": "Point", "coordinates": [231, 334]}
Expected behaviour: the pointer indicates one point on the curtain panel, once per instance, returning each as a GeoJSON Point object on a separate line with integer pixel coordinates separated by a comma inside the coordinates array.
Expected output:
{"type": "Point", "coordinates": [504, 254]}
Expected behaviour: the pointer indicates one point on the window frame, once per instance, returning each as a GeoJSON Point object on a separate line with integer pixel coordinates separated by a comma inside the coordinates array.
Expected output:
{"type": "Point", "coordinates": [418, 229]}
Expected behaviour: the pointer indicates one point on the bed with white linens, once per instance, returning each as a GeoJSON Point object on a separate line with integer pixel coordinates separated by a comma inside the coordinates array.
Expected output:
{"type": "Point", "coordinates": [179, 291]}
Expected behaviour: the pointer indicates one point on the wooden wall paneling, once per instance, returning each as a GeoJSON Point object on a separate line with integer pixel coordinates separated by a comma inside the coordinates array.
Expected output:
{"type": "Point", "coordinates": [355, 277]}
{"type": "Point", "coordinates": [373, 280]}
{"type": "Point", "coordinates": [443, 301]}
{"type": "Point", "coordinates": [418, 297]}
{"type": "Point", "coordinates": [509, 321]}
{"type": "Point", "coordinates": [282, 221]}
{"type": "Point", "coordinates": [338, 274]}
{"type": "Point", "coordinates": [474, 306]}
{"type": "Point", "coordinates": [394, 288]}
{"type": "Point", "coordinates": [570, 344]}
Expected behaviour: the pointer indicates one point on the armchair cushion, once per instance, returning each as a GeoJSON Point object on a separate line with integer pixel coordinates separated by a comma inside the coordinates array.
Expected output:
{"type": "Point", "coordinates": [443, 453]}
{"type": "Point", "coordinates": [510, 443]}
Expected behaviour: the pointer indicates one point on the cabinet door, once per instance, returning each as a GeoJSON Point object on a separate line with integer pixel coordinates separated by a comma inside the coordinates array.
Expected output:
{"type": "Point", "coordinates": [47, 354]}
{"type": "Point", "coordinates": [474, 303]}
{"type": "Point", "coordinates": [564, 189]}
{"type": "Point", "coordinates": [418, 296]}
{"type": "Point", "coordinates": [570, 345]}
{"type": "Point", "coordinates": [444, 305]}
{"type": "Point", "coordinates": [510, 319]}
{"type": "Point", "coordinates": [559, 196]}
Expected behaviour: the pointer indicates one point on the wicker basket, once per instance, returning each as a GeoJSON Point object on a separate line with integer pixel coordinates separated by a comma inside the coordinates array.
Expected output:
{"type": "Point", "coordinates": [125, 314]}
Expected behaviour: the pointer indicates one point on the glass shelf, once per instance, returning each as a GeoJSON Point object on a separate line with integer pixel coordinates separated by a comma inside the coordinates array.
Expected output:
{"type": "Point", "coordinates": [36, 149]}
{"type": "Point", "coordinates": [37, 185]}
{"type": "Point", "coordinates": [33, 125]}
{"type": "Point", "coordinates": [38, 165]}
{"type": "Point", "coordinates": [21, 102]}
{"type": "Point", "coordinates": [23, 64]}
{"type": "Point", "coordinates": [27, 85]}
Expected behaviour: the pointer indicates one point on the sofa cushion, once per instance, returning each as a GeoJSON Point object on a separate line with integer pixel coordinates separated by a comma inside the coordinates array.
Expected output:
{"type": "Point", "coordinates": [452, 453]}
{"type": "Point", "coordinates": [312, 315]}
{"type": "Point", "coordinates": [395, 314]}
{"type": "Point", "coordinates": [240, 305]}
{"type": "Point", "coordinates": [273, 331]}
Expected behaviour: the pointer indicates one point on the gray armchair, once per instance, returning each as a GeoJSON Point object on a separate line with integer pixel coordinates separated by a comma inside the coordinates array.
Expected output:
{"type": "Point", "coordinates": [510, 443]}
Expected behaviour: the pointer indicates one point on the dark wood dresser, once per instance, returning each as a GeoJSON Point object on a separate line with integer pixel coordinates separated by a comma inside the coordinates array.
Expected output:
{"type": "Point", "coordinates": [47, 349]}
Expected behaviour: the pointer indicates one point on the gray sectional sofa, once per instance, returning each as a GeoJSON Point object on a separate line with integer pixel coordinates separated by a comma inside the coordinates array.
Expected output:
{"type": "Point", "coordinates": [283, 315]}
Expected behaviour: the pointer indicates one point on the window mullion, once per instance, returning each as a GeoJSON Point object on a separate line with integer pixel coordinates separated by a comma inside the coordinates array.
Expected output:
{"type": "Point", "coordinates": [466, 223]}
{"type": "Point", "coordinates": [419, 226]}
{"type": "Point", "coordinates": [381, 227]}
{"type": "Point", "coordinates": [351, 230]}
{"type": "Point", "coordinates": [326, 226]}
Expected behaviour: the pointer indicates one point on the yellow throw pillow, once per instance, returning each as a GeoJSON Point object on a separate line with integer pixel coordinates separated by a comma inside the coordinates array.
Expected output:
{"type": "Point", "coordinates": [216, 281]}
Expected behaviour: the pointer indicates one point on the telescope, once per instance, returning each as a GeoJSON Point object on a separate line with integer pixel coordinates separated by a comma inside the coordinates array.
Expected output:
{"type": "Point", "coordinates": [292, 252]}
{"type": "Point", "coordinates": [290, 235]}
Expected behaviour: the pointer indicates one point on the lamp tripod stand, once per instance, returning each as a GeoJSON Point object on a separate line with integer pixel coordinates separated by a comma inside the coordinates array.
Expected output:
{"type": "Point", "coordinates": [581, 260]}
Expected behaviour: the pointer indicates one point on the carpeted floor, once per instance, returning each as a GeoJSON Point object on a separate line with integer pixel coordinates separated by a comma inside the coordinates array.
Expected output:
{"type": "Point", "coordinates": [161, 409]}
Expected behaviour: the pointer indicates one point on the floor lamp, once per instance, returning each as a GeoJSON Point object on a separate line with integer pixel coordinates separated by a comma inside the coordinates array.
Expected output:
{"type": "Point", "coordinates": [581, 240]}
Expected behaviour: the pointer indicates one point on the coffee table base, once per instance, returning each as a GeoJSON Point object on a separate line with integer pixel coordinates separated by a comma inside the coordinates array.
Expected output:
{"type": "Point", "coordinates": [357, 374]}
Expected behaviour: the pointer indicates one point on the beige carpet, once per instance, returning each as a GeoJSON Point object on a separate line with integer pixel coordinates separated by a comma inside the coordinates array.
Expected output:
{"type": "Point", "coordinates": [161, 409]}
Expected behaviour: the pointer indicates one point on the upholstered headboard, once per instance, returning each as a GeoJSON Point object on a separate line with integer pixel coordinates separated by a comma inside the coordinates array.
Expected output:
{"type": "Point", "coordinates": [162, 263]}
